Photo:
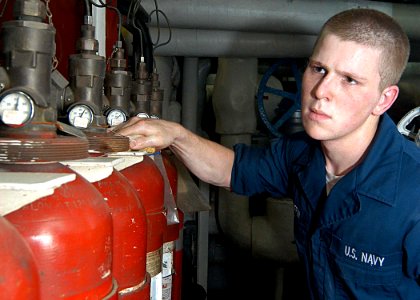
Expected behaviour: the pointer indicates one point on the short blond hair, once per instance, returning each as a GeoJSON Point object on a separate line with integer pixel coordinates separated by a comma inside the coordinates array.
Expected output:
{"type": "Point", "coordinates": [375, 29]}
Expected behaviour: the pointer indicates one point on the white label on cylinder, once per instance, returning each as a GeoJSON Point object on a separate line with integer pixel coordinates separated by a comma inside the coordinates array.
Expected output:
{"type": "Point", "coordinates": [156, 287]}
{"type": "Point", "coordinates": [154, 262]}
{"type": "Point", "coordinates": [167, 288]}
{"type": "Point", "coordinates": [18, 189]}
{"type": "Point", "coordinates": [129, 159]}
{"type": "Point", "coordinates": [168, 258]}
{"type": "Point", "coordinates": [93, 169]}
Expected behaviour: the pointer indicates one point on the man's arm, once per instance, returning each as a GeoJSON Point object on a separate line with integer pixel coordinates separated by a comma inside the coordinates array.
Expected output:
{"type": "Point", "coordinates": [209, 161]}
{"type": "Point", "coordinates": [412, 250]}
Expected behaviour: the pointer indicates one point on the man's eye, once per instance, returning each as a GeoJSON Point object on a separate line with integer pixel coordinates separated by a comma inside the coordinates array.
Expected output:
{"type": "Point", "coordinates": [350, 80]}
{"type": "Point", "coordinates": [319, 70]}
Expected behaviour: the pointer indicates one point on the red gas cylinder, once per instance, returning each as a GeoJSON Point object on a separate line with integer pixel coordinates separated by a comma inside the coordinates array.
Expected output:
{"type": "Point", "coordinates": [173, 239]}
{"type": "Point", "coordinates": [18, 274]}
{"type": "Point", "coordinates": [147, 180]}
{"type": "Point", "coordinates": [129, 224]}
{"type": "Point", "coordinates": [70, 235]}
{"type": "Point", "coordinates": [179, 248]}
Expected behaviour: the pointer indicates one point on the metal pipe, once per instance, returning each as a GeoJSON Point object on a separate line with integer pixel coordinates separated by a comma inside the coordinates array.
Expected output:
{"type": "Point", "coordinates": [298, 16]}
{"type": "Point", "coordinates": [190, 93]}
{"type": "Point", "coordinates": [219, 43]}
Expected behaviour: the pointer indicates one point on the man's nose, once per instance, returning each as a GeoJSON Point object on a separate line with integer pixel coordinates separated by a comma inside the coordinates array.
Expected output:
{"type": "Point", "coordinates": [324, 88]}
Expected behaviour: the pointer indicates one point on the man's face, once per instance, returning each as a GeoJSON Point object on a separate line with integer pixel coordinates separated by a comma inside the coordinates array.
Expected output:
{"type": "Point", "coordinates": [340, 90]}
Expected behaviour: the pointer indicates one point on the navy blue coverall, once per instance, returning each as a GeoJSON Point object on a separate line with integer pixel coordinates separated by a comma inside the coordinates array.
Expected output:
{"type": "Point", "coordinates": [362, 241]}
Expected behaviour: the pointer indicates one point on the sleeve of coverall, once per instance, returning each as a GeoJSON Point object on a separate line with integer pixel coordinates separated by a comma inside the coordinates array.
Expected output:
{"type": "Point", "coordinates": [257, 170]}
{"type": "Point", "coordinates": [412, 248]}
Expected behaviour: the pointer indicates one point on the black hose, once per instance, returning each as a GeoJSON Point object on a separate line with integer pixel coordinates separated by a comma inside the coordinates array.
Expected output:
{"type": "Point", "coordinates": [88, 8]}
{"type": "Point", "coordinates": [137, 19]}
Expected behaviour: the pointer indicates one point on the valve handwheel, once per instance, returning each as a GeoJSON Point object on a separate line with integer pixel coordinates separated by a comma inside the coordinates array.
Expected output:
{"type": "Point", "coordinates": [263, 88]}
{"type": "Point", "coordinates": [405, 121]}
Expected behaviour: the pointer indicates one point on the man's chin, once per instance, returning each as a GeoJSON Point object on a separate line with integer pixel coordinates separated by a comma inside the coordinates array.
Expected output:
{"type": "Point", "coordinates": [314, 132]}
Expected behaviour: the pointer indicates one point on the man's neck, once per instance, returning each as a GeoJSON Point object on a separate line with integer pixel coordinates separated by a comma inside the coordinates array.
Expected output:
{"type": "Point", "coordinates": [343, 155]}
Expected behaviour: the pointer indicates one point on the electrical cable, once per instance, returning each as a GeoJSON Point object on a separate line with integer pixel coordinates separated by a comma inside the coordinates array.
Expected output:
{"type": "Point", "coordinates": [4, 8]}
{"type": "Point", "coordinates": [169, 28]}
{"type": "Point", "coordinates": [102, 4]}
{"type": "Point", "coordinates": [129, 11]}
{"type": "Point", "coordinates": [158, 25]}
{"type": "Point", "coordinates": [157, 20]}
{"type": "Point", "coordinates": [136, 8]}
{"type": "Point", "coordinates": [137, 24]}
{"type": "Point", "coordinates": [88, 8]}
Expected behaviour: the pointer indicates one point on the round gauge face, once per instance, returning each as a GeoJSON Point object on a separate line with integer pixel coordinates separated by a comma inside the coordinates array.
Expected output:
{"type": "Point", "coordinates": [116, 117]}
{"type": "Point", "coordinates": [16, 108]}
{"type": "Point", "coordinates": [80, 116]}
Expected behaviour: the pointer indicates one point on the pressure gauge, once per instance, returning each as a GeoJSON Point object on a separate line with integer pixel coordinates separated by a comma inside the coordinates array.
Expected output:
{"type": "Point", "coordinates": [143, 115]}
{"type": "Point", "coordinates": [80, 116]}
{"type": "Point", "coordinates": [116, 117]}
{"type": "Point", "coordinates": [16, 108]}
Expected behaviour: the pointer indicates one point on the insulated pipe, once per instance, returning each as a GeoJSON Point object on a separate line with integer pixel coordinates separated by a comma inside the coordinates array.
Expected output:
{"type": "Point", "coordinates": [269, 236]}
{"type": "Point", "coordinates": [234, 108]}
{"type": "Point", "coordinates": [284, 16]}
{"type": "Point", "coordinates": [204, 67]}
{"type": "Point", "coordinates": [221, 43]}
{"type": "Point", "coordinates": [234, 96]}
{"type": "Point", "coordinates": [190, 93]}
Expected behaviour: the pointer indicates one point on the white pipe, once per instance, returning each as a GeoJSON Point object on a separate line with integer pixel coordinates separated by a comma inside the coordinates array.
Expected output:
{"type": "Point", "coordinates": [99, 21]}
{"type": "Point", "coordinates": [280, 16]}
{"type": "Point", "coordinates": [219, 43]}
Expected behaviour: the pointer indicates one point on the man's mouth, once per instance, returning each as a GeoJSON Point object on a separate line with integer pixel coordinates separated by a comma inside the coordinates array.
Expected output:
{"type": "Point", "coordinates": [318, 115]}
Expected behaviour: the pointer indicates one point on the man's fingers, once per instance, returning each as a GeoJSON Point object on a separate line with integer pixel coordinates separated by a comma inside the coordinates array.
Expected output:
{"type": "Point", "coordinates": [117, 128]}
{"type": "Point", "coordinates": [145, 133]}
{"type": "Point", "coordinates": [141, 142]}
{"type": "Point", "coordinates": [133, 127]}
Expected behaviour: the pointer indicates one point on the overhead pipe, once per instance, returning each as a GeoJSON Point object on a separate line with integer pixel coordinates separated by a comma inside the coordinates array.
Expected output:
{"type": "Point", "coordinates": [221, 43]}
{"type": "Point", "coordinates": [265, 29]}
{"type": "Point", "coordinates": [275, 16]}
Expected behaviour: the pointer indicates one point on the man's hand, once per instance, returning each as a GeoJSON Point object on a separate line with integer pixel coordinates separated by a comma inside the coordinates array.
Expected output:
{"type": "Point", "coordinates": [149, 133]}
{"type": "Point", "coordinates": [208, 160]}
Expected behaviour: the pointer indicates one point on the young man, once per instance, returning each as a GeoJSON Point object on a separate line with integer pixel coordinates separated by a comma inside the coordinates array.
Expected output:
{"type": "Point", "coordinates": [354, 179]}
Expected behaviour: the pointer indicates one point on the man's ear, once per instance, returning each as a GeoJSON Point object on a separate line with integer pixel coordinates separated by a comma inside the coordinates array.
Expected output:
{"type": "Point", "coordinates": [388, 97]}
